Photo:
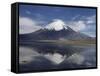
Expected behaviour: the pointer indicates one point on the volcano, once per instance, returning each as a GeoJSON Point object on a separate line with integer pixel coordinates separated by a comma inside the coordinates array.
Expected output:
{"type": "Point", "coordinates": [55, 30]}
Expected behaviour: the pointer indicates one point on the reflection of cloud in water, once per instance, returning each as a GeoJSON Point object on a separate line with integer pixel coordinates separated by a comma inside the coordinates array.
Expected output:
{"type": "Point", "coordinates": [76, 58]}
{"type": "Point", "coordinates": [86, 58]}
{"type": "Point", "coordinates": [56, 58]}
{"type": "Point", "coordinates": [26, 55]}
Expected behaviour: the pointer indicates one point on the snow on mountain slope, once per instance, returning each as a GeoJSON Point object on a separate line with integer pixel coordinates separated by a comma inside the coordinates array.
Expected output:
{"type": "Point", "coordinates": [57, 25]}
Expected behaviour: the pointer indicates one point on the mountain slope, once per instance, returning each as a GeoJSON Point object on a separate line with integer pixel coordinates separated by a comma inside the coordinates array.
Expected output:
{"type": "Point", "coordinates": [45, 34]}
{"type": "Point", "coordinates": [55, 30]}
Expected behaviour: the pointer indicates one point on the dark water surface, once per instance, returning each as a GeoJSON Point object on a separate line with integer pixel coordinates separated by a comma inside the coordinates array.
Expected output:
{"type": "Point", "coordinates": [46, 56]}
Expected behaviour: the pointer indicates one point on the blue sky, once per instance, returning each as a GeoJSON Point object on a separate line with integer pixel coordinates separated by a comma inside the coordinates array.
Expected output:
{"type": "Point", "coordinates": [80, 19]}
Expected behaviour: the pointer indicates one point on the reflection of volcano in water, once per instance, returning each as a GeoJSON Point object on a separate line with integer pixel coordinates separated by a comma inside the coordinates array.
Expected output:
{"type": "Point", "coordinates": [53, 50]}
{"type": "Point", "coordinates": [41, 56]}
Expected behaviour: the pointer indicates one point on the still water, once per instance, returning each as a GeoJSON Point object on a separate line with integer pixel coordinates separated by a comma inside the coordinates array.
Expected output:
{"type": "Point", "coordinates": [54, 56]}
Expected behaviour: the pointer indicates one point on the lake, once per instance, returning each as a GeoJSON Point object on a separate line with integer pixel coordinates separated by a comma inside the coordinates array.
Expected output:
{"type": "Point", "coordinates": [48, 56]}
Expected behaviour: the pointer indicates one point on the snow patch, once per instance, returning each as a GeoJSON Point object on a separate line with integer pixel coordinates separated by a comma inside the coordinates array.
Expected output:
{"type": "Point", "coordinates": [57, 25]}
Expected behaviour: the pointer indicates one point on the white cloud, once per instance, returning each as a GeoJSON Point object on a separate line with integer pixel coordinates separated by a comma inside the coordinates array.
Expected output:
{"type": "Point", "coordinates": [28, 12]}
{"type": "Point", "coordinates": [85, 25]}
{"type": "Point", "coordinates": [89, 33]}
{"type": "Point", "coordinates": [27, 25]}
{"type": "Point", "coordinates": [77, 25]}
{"type": "Point", "coordinates": [91, 19]}
{"type": "Point", "coordinates": [76, 58]}
{"type": "Point", "coordinates": [75, 17]}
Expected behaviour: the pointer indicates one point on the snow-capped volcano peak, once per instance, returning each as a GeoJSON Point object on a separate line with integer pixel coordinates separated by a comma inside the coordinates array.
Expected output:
{"type": "Point", "coordinates": [57, 25]}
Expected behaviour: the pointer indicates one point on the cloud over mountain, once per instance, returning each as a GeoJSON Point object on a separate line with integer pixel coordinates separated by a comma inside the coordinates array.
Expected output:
{"type": "Point", "coordinates": [77, 25]}
{"type": "Point", "coordinates": [85, 25]}
{"type": "Point", "coordinates": [27, 25]}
